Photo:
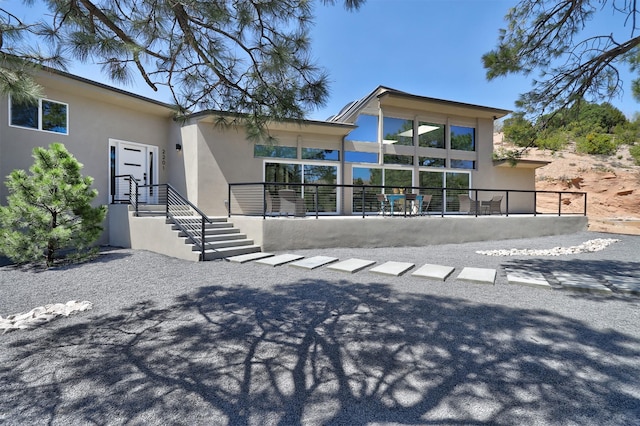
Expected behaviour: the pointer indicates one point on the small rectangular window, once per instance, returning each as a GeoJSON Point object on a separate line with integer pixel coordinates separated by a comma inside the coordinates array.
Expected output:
{"type": "Point", "coordinates": [398, 159]}
{"type": "Point", "coordinates": [320, 154]}
{"type": "Point", "coordinates": [431, 162]}
{"type": "Point", "coordinates": [272, 151]}
{"type": "Point", "coordinates": [46, 115]}
{"type": "Point", "coordinates": [463, 164]}
{"type": "Point", "coordinates": [360, 157]}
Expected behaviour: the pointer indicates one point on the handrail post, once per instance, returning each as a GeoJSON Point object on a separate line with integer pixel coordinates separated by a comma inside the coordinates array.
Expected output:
{"type": "Point", "coordinates": [316, 199]}
{"type": "Point", "coordinates": [535, 203]}
{"type": "Point", "coordinates": [229, 200]}
{"type": "Point", "coordinates": [444, 201]}
{"type": "Point", "coordinates": [167, 202]}
{"type": "Point", "coordinates": [585, 203]}
{"type": "Point", "coordinates": [362, 198]}
{"type": "Point", "coordinates": [202, 238]}
{"type": "Point", "coordinates": [264, 201]}
{"type": "Point", "coordinates": [478, 203]}
{"type": "Point", "coordinates": [559, 203]}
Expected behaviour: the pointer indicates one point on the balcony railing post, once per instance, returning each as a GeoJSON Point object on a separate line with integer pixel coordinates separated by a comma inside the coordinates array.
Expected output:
{"type": "Point", "coordinates": [202, 238]}
{"type": "Point", "coordinates": [559, 203]}
{"type": "Point", "coordinates": [585, 203]}
{"type": "Point", "coordinates": [315, 198]}
{"type": "Point", "coordinates": [167, 202]}
{"type": "Point", "coordinates": [229, 200]}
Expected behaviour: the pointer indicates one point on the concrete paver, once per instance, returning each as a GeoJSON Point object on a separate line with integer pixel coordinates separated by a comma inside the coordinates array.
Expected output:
{"type": "Point", "coordinates": [279, 260]}
{"type": "Point", "coordinates": [581, 282]}
{"type": "Point", "coordinates": [624, 284]}
{"type": "Point", "coordinates": [243, 258]}
{"type": "Point", "coordinates": [438, 272]}
{"type": "Point", "coordinates": [527, 278]}
{"type": "Point", "coordinates": [392, 268]}
{"type": "Point", "coordinates": [478, 275]}
{"type": "Point", "coordinates": [313, 262]}
{"type": "Point", "coordinates": [351, 265]}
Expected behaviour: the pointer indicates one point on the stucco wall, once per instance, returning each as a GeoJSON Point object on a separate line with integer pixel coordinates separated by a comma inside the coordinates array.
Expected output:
{"type": "Point", "coordinates": [95, 116]}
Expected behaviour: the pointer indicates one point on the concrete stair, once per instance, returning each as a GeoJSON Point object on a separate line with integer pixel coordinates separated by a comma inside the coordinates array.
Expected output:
{"type": "Point", "coordinates": [221, 239]}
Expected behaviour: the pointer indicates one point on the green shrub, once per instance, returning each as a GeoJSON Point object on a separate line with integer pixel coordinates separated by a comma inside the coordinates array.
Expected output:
{"type": "Point", "coordinates": [555, 141]}
{"type": "Point", "coordinates": [635, 153]}
{"type": "Point", "coordinates": [596, 143]}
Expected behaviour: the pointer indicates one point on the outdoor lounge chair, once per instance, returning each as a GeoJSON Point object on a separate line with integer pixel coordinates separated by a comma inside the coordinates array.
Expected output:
{"type": "Point", "coordinates": [290, 203]}
{"type": "Point", "coordinates": [467, 204]}
{"type": "Point", "coordinates": [495, 205]}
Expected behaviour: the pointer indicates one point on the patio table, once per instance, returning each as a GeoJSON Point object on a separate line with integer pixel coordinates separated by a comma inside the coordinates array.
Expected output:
{"type": "Point", "coordinates": [392, 198]}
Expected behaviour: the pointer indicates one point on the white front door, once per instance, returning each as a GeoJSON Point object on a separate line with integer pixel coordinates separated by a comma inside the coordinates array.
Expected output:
{"type": "Point", "coordinates": [136, 160]}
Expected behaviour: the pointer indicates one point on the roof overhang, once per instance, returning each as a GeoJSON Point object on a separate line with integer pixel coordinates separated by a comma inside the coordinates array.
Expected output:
{"type": "Point", "coordinates": [521, 164]}
{"type": "Point", "coordinates": [289, 125]}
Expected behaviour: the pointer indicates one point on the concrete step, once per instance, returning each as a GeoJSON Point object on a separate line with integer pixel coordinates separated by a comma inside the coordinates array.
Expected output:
{"type": "Point", "coordinates": [230, 251]}
{"type": "Point", "coordinates": [227, 236]}
{"type": "Point", "coordinates": [207, 226]}
{"type": "Point", "coordinates": [215, 245]}
{"type": "Point", "coordinates": [215, 231]}
{"type": "Point", "coordinates": [197, 219]}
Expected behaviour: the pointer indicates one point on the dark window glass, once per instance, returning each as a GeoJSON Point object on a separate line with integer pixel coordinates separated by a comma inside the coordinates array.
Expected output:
{"type": "Point", "coordinates": [463, 164]}
{"type": "Point", "coordinates": [397, 131]}
{"type": "Point", "coordinates": [431, 135]}
{"type": "Point", "coordinates": [24, 115]}
{"type": "Point", "coordinates": [320, 154]}
{"type": "Point", "coordinates": [54, 117]}
{"type": "Point", "coordinates": [398, 159]}
{"type": "Point", "coordinates": [463, 138]}
{"type": "Point", "coordinates": [432, 162]}
{"type": "Point", "coordinates": [273, 151]}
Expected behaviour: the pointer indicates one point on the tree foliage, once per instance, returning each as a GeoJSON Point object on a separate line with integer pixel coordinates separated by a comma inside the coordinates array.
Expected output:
{"type": "Point", "coordinates": [49, 210]}
{"type": "Point", "coordinates": [549, 36]}
{"type": "Point", "coordinates": [249, 57]}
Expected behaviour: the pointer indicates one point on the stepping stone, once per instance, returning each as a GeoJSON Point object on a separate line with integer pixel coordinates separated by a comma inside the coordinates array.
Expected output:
{"type": "Point", "coordinates": [351, 265]}
{"type": "Point", "coordinates": [437, 272]}
{"type": "Point", "coordinates": [580, 282]}
{"type": "Point", "coordinates": [527, 278]}
{"type": "Point", "coordinates": [624, 284]}
{"type": "Point", "coordinates": [478, 275]}
{"type": "Point", "coordinates": [392, 268]}
{"type": "Point", "coordinates": [279, 260]}
{"type": "Point", "coordinates": [313, 262]}
{"type": "Point", "coordinates": [242, 258]}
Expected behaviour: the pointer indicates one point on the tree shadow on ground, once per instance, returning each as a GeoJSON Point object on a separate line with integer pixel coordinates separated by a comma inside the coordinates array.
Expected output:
{"type": "Point", "coordinates": [596, 269]}
{"type": "Point", "coordinates": [321, 353]}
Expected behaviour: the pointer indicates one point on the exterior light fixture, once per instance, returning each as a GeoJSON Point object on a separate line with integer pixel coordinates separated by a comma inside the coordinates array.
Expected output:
{"type": "Point", "coordinates": [178, 147]}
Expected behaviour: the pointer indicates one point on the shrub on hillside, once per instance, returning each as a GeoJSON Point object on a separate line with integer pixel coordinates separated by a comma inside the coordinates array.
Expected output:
{"type": "Point", "coordinates": [635, 153]}
{"type": "Point", "coordinates": [596, 143]}
{"type": "Point", "coordinates": [554, 141]}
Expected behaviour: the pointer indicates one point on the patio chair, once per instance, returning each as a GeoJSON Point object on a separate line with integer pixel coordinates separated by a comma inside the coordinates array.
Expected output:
{"type": "Point", "coordinates": [382, 200]}
{"type": "Point", "coordinates": [426, 200]}
{"type": "Point", "coordinates": [495, 205]}
{"type": "Point", "coordinates": [409, 201]}
{"type": "Point", "coordinates": [467, 204]}
{"type": "Point", "coordinates": [290, 203]}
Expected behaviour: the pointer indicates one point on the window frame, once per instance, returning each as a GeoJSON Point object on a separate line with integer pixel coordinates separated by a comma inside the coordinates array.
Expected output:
{"type": "Point", "coordinates": [40, 116]}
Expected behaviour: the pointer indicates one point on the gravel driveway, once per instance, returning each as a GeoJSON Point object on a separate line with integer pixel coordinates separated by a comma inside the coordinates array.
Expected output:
{"type": "Point", "coordinates": [174, 342]}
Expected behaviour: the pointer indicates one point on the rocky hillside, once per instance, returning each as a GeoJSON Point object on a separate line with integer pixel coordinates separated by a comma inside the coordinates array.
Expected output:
{"type": "Point", "coordinates": [612, 184]}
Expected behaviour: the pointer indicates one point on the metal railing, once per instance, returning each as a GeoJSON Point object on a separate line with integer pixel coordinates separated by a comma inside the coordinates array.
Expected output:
{"type": "Point", "coordinates": [268, 199]}
{"type": "Point", "coordinates": [185, 215]}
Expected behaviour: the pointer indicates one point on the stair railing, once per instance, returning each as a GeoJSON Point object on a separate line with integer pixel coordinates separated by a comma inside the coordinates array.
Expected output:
{"type": "Point", "coordinates": [181, 212]}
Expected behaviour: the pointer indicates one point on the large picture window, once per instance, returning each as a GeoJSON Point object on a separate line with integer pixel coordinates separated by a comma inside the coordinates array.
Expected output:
{"type": "Point", "coordinates": [367, 130]}
{"type": "Point", "coordinates": [431, 135]}
{"type": "Point", "coordinates": [397, 131]}
{"type": "Point", "coordinates": [45, 115]}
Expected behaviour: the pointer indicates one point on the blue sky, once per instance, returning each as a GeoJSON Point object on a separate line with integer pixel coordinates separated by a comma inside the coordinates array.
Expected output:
{"type": "Point", "coordinates": [426, 47]}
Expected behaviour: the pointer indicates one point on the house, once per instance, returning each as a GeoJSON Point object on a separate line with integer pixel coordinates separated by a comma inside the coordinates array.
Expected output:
{"type": "Point", "coordinates": [388, 138]}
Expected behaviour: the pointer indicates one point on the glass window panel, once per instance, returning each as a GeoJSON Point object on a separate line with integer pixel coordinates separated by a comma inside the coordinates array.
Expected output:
{"type": "Point", "coordinates": [24, 115]}
{"type": "Point", "coordinates": [397, 179]}
{"type": "Point", "coordinates": [463, 138]}
{"type": "Point", "coordinates": [463, 164]}
{"type": "Point", "coordinates": [283, 173]}
{"type": "Point", "coordinates": [398, 159]}
{"type": "Point", "coordinates": [397, 131]}
{"type": "Point", "coordinates": [273, 151]}
{"type": "Point", "coordinates": [457, 183]}
{"type": "Point", "coordinates": [327, 199]}
{"type": "Point", "coordinates": [367, 130]}
{"type": "Point", "coordinates": [54, 117]}
{"type": "Point", "coordinates": [435, 181]}
{"type": "Point", "coordinates": [431, 135]}
{"type": "Point", "coordinates": [431, 162]}
{"type": "Point", "coordinates": [320, 154]}
{"type": "Point", "coordinates": [361, 157]}
{"type": "Point", "coordinates": [370, 177]}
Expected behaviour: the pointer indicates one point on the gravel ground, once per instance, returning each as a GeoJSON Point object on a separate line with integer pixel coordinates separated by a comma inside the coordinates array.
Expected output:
{"type": "Point", "coordinates": [174, 342]}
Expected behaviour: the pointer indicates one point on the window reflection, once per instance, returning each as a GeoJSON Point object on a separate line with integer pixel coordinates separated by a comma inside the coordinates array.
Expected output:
{"type": "Point", "coordinates": [463, 138]}
{"type": "Point", "coordinates": [367, 130]}
{"type": "Point", "coordinates": [431, 135]}
{"type": "Point", "coordinates": [397, 131]}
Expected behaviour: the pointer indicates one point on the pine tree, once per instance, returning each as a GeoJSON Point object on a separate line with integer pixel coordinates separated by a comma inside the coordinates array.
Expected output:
{"type": "Point", "coordinates": [49, 210]}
